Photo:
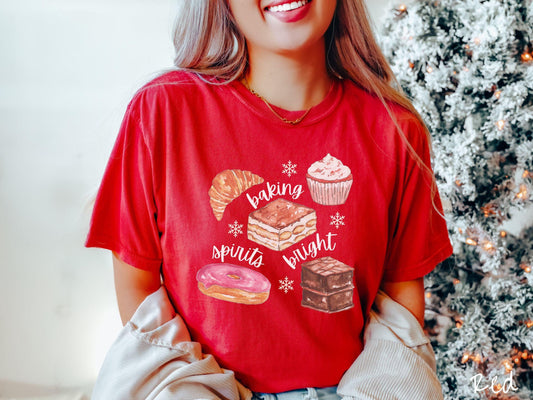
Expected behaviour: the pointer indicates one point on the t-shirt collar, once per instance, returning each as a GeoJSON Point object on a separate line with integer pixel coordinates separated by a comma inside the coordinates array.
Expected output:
{"type": "Point", "coordinates": [316, 113]}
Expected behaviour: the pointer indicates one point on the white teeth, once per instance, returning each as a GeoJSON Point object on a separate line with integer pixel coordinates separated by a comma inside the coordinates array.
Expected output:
{"type": "Point", "coordinates": [288, 6]}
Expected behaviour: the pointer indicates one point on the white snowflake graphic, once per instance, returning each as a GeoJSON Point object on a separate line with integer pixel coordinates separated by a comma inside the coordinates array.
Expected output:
{"type": "Point", "coordinates": [337, 220]}
{"type": "Point", "coordinates": [285, 284]}
{"type": "Point", "coordinates": [235, 229]}
{"type": "Point", "coordinates": [289, 168]}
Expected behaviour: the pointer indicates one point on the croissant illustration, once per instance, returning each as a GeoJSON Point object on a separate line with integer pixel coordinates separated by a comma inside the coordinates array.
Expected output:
{"type": "Point", "coordinates": [227, 186]}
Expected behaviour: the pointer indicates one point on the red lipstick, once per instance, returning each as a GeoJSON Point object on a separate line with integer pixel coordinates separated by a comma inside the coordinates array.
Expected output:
{"type": "Point", "coordinates": [287, 10]}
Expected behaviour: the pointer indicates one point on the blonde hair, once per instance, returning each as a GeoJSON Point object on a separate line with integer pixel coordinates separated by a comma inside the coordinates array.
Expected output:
{"type": "Point", "coordinates": [208, 42]}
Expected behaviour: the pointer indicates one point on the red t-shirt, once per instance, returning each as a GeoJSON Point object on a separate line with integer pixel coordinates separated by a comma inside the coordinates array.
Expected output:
{"type": "Point", "coordinates": [272, 238]}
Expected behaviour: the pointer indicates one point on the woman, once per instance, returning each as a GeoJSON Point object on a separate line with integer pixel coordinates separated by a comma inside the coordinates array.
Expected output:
{"type": "Point", "coordinates": [273, 183]}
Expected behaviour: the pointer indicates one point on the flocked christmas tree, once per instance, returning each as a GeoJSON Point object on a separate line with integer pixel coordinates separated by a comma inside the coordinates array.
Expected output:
{"type": "Point", "coordinates": [467, 65]}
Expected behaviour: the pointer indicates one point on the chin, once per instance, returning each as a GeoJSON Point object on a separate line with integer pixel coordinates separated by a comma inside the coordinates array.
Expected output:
{"type": "Point", "coordinates": [296, 40]}
{"type": "Point", "coordinates": [294, 46]}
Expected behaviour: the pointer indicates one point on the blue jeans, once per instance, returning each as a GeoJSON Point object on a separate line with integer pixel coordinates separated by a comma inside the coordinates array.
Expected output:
{"type": "Point", "coordinates": [329, 393]}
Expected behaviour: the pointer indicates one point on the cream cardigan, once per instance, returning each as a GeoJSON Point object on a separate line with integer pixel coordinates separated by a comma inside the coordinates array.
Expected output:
{"type": "Point", "coordinates": [153, 358]}
{"type": "Point", "coordinates": [397, 361]}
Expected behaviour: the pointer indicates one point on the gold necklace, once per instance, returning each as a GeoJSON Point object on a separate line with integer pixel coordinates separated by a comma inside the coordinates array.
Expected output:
{"type": "Point", "coordinates": [287, 121]}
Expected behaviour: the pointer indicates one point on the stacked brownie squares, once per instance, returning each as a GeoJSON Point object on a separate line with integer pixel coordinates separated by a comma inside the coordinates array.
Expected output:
{"type": "Point", "coordinates": [327, 285]}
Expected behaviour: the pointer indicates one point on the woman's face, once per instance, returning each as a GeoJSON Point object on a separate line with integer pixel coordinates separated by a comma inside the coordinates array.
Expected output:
{"type": "Point", "coordinates": [283, 26]}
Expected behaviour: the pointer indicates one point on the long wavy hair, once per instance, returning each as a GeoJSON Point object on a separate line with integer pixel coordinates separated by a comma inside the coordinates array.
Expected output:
{"type": "Point", "coordinates": [208, 42]}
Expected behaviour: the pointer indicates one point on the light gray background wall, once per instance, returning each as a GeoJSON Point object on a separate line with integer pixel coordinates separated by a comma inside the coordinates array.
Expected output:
{"type": "Point", "coordinates": [67, 70]}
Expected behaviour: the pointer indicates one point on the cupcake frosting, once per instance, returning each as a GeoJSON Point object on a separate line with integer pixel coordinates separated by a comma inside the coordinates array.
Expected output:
{"type": "Point", "coordinates": [329, 169]}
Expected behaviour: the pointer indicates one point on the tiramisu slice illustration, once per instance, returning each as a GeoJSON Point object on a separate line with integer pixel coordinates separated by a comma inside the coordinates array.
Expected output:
{"type": "Point", "coordinates": [280, 224]}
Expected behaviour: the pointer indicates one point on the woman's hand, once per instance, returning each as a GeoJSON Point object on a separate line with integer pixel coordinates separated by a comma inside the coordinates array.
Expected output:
{"type": "Point", "coordinates": [132, 285]}
{"type": "Point", "coordinates": [409, 294]}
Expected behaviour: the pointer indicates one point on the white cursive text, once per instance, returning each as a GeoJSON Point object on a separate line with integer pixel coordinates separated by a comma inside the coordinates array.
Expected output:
{"type": "Point", "coordinates": [252, 256]}
{"type": "Point", "coordinates": [278, 189]}
{"type": "Point", "coordinates": [508, 384]}
{"type": "Point", "coordinates": [311, 249]}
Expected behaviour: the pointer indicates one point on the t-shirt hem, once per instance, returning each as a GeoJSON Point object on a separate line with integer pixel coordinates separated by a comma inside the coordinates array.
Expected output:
{"type": "Point", "coordinates": [126, 255]}
{"type": "Point", "coordinates": [422, 269]}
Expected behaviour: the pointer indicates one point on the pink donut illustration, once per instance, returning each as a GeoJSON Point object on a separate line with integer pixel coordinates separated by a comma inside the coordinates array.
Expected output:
{"type": "Point", "coordinates": [233, 283]}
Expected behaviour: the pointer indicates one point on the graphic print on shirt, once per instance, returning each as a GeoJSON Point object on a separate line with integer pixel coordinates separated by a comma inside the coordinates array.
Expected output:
{"type": "Point", "coordinates": [253, 256]}
{"type": "Point", "coordinates": [235, 229]}
{"type": "Point", "coordinates": [227, 186]}
{"type": "Point", "coordinates": [329, 181]}
{"type": "Point", "coordinates": [327, 285]}
{"type": "Point", "coordinates": [233, 283]}
{"type": "Point", "coordinates": [285, 285]}
{"type": "Point", "coordinates": [278, 224]}
{"type": "Point", "coordinates": [337, 220]}
{"type": "Point", "coordinates": [289, 168]}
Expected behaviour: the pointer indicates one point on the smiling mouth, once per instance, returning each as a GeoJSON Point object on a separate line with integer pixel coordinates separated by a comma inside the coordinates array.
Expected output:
{"type": "Point", "coordinates": [289, 6]}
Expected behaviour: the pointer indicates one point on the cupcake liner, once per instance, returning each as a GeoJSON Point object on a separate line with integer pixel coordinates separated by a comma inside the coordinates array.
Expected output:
{"type": "Point", "coordinates": [329, 193]}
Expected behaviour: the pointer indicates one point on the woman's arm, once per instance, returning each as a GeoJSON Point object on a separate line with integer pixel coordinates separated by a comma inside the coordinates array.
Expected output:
{"type": "Point", "coordinates": [132, 285]}
{"type": "Point", "coordinates": [409, 294]}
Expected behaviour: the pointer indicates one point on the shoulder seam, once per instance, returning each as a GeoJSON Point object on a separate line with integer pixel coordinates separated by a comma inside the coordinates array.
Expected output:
{"type": "Point", "coordinates": [139, 120]}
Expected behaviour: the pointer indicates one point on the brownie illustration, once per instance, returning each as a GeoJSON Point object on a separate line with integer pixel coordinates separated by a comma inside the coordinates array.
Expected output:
{"type": "Point", "coordinates": [327, 285]}
{"type": "Point", "coordinates": [280, 224]}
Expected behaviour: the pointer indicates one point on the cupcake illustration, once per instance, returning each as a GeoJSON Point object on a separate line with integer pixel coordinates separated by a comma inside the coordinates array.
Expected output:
{"type": "Point", "coordinates": [329, 181]}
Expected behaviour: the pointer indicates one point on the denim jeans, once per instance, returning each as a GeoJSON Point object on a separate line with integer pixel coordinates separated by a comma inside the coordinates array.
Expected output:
{"type": "Point", "coordinates": [329, 393]}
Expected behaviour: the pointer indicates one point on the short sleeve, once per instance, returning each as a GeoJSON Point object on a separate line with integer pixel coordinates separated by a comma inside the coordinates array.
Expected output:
{"type": "Point", "coordinates": [124, 217]}
{"type": "Point", "coordinates": [418, 235]}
